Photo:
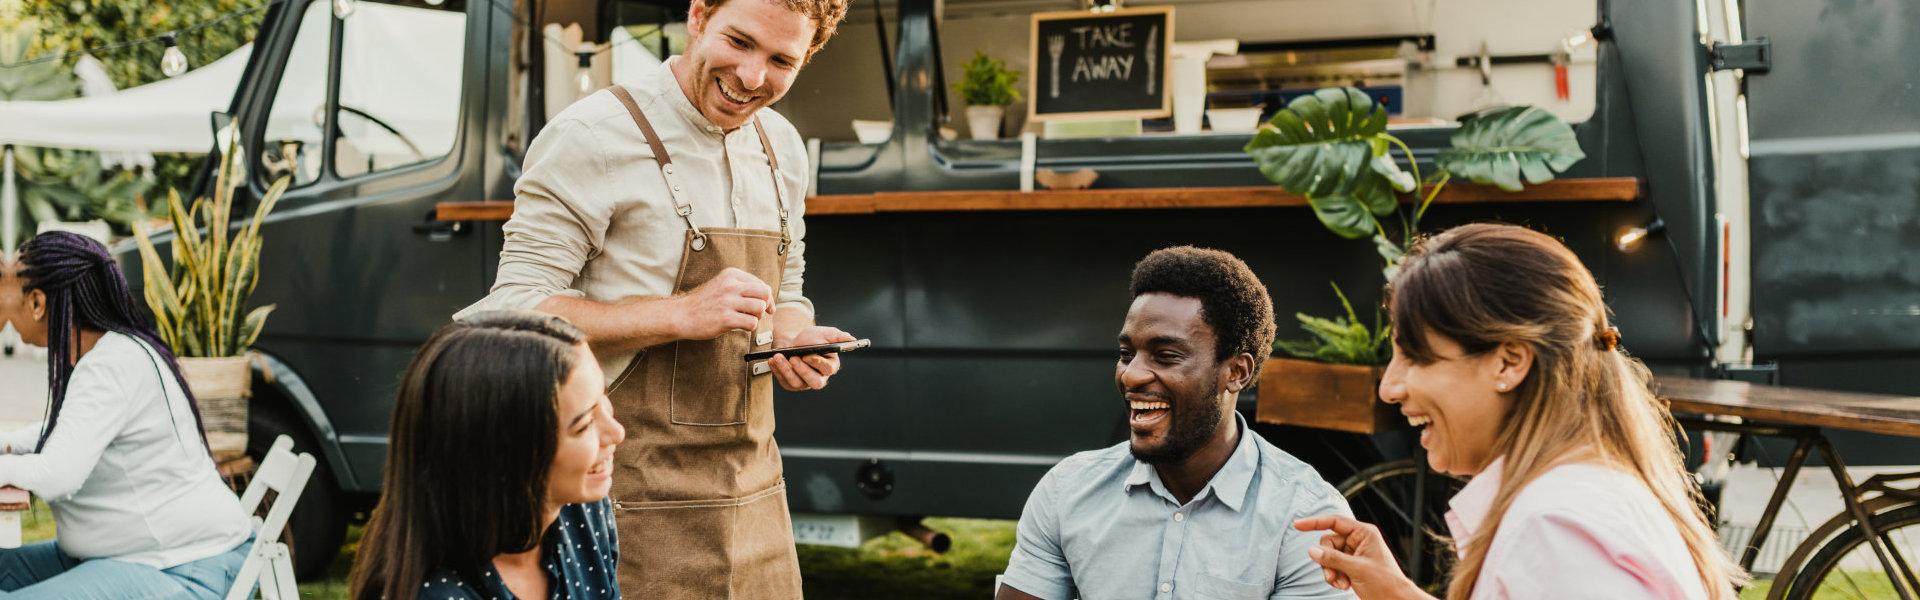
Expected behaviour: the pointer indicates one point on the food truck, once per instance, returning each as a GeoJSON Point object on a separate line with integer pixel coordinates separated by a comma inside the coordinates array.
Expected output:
{"type": "Point", "coordinates": [1746, 202]}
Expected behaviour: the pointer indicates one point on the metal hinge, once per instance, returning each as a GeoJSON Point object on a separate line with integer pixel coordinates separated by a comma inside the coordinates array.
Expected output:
{"type": "Point", "coordinates": [1754, 56]}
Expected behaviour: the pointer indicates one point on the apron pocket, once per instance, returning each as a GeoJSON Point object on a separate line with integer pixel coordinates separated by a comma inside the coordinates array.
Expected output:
{"type": "Point", "coordinates": [711, 383]}
{"type": "Point", "coordinates": [675, 549]}
{"type": "Point", "coordinates": [764, 558]}
{"type": "Point", "coordinates": [721, 548]}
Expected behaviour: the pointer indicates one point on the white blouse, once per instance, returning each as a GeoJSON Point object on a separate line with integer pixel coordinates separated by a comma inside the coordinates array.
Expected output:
{"type": "Point", "coordinates": [125, 472]}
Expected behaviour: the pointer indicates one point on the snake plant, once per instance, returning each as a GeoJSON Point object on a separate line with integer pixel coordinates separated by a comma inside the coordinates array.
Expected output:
{"type": "Point", "coordinates": [198, 305]}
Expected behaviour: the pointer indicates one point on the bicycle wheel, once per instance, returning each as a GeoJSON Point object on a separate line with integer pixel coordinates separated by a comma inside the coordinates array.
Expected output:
{"type": "Point", "coordinates": [1385, 495]}
{"type": "Point", "coordinates": [1846, 567]}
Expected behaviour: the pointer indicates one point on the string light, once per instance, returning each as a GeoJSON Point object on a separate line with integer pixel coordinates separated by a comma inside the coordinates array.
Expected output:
{"type": "Point", "coordinates": [173, 62]}
{"type": "Point", "coordinates": [1630, 239]}
{"type": "Point", "coordinates": [584, 79]}
{"type": "Point", "coordinates": [167, 38]}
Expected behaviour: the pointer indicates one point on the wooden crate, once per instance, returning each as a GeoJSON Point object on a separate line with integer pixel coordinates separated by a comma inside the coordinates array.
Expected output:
{"type": "Point", "coordinates": [1305, 393]}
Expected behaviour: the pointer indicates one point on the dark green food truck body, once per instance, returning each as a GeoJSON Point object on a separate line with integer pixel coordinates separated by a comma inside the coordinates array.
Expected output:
{"type": "Point", "coordinates": [993, 330]}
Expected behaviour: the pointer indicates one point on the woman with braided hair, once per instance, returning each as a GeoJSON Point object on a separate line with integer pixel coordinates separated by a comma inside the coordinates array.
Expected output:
{"type": "Point", "coordinates": [1504, 358]}
{"type": "Point", "coordinates": [121, 459]}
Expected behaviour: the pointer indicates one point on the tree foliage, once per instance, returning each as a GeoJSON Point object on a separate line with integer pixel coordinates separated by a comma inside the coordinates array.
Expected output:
{"type": "Point", "coordinates": [75, 25]}
{"type": "Point", "coordinates": [57, 182]}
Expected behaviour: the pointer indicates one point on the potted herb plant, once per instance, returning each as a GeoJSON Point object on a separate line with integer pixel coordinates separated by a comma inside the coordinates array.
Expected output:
{"type": "Point", "coordinates": [987, 88]}
{"type": "Point", "coordinates": [200, 304]}
{"type": "Point", "coordinates": [1332, 147]}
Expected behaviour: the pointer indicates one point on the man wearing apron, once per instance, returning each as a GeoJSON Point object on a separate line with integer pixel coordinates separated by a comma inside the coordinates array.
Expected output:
{"type": "Point", "coordinates": [663, 217]}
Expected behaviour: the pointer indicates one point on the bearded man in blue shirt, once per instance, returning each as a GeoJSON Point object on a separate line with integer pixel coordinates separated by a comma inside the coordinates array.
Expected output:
{"type": "Point", "coordinates": [1193, 504]}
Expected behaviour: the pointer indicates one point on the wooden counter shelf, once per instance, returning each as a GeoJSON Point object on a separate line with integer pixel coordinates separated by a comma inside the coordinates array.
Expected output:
{"type": "Point", "coordinates": [1597, 189]}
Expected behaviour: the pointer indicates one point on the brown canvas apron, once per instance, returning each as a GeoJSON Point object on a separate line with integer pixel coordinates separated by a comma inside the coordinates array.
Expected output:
{"type": "Point", "coordinates": [697, 489]}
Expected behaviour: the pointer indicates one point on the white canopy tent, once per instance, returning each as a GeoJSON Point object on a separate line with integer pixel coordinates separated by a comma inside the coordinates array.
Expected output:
{"type": "Point", "coordinates": [163, 116]}
{"type": "Point", "coordinates": [417, 94]}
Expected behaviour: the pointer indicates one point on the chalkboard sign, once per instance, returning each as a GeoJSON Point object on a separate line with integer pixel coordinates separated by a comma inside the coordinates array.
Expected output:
{"type": "Point", "coordinates": [1100, 65]}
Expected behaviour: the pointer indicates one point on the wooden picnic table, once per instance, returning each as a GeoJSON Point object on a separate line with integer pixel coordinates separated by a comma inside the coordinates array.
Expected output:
{"type": "Point", "coordinates": [1872, 413]}
{"type": "Point", "coordinates": [1801, 414]}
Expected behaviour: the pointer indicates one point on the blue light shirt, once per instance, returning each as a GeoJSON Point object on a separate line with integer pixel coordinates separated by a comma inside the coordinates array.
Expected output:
{"type": "Point", "coordinates": [1102, 526]}
{"type": "Point", "coordinates": [579, 553]}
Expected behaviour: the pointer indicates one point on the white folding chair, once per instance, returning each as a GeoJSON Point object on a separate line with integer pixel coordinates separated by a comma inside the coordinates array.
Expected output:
{"type": "Point", "coordinates": [269, 564]}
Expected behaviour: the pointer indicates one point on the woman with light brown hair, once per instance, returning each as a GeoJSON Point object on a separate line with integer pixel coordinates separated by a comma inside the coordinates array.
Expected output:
{"type": "Point", "coordinates": [1503, 355]}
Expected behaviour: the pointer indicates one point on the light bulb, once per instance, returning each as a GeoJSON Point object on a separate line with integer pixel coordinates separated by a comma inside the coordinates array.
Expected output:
{"type": "Point", "coordinates": [1632, 237]}
{"type": "Point", "coordinates": [343, 8]}
{"type": "Point", "coordinates": [173, 62]}
{"type": "Point", "coordinates": [583, 80]}
{"type": "Point", "coordinates": [435, 2]}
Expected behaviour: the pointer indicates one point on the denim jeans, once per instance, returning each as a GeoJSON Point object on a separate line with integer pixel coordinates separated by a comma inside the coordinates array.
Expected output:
{"type": "Point", "coordinates": [41, 571]}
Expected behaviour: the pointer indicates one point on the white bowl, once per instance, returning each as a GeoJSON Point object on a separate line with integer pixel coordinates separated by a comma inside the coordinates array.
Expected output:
{"type": "Point", "coordinates": [872, 132]}
{"type": "Point", "coordinates": [1234, 119]}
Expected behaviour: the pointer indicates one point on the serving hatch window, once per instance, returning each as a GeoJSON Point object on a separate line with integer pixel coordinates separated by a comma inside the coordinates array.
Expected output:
{"type": "Point", "coordinates": [1421, 57]}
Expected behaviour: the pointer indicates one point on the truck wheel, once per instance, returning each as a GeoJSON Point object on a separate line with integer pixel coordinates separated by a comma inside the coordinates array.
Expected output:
{"type": "Point", "coordinates": [318, 524]}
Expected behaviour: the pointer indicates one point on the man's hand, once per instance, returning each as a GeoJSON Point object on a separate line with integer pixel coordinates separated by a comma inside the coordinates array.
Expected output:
{"type": "Point", "coordinates": [734, 299]}
{"type": "Point", "coordinates": [809, 372]}
{"type": "Point", "coordinates": [1354, 556]}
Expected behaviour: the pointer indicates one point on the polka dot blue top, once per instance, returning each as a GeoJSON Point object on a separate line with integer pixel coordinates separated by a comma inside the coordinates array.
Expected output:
{"type": "Point", "coordinates": [579, 552]}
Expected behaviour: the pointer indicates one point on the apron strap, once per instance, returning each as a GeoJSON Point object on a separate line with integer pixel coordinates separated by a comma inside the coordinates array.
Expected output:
{"type": "Point", "coordinates": [666, 166]}
{"type": "Point", "coordinates": [773, 164]}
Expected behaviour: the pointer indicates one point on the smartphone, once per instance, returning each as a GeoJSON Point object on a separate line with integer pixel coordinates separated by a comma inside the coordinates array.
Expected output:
{"type": "Point", "coordinates": [805, 350]}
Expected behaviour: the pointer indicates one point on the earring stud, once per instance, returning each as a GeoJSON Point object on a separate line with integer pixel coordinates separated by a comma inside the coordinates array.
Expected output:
{"type": "Point", "coordinates": [1502, 386]}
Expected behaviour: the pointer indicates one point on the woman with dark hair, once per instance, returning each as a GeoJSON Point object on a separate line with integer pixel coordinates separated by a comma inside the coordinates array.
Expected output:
{"type": "Point", "coordinates": [1504, 357]}
{"type": "Point", "coordinates": [121, 459]}
{"type": "Point", "coordinates": [498, 470]}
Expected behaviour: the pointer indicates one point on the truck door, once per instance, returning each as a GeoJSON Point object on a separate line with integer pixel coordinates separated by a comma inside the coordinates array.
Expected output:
{"type": "Point", "coordinates": [1834, 170]}
{"type": "Point", "coordinates": [374, 116]}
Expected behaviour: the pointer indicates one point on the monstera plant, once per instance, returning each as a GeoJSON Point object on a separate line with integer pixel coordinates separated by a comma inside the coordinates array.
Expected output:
{"type": "Point", "coordinates": [1332, 147]}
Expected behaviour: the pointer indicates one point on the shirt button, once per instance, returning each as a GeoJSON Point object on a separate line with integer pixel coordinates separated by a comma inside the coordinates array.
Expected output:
{"type": "Point", "coordinates": [1178, 517]}
{"type": "Point", "coordinates": [1166, 587]}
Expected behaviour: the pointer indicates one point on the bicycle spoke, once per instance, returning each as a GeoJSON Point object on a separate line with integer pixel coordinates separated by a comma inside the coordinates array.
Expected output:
{"type": "Point", "coordinates": [1385, 495]}
{"type": "Point", "coordinates": [1905, 571]}
{"type": "Point", "coordinates": [1392, 505]}
{"type": "Point", "coordinates": [1854, 588]}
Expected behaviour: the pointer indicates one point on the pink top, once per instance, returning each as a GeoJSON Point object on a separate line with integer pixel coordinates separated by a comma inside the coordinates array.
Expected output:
{"type": "Point", "coordinates": [1578, 531]}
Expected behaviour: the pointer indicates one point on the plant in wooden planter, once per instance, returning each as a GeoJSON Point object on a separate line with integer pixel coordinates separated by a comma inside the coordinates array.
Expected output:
{"type": "Point", "coordinates": [200, 304]}
{"type": "Point", "coordinates": [1332, 147]}
{"type": "Point", "coordinates": [1331, 384]}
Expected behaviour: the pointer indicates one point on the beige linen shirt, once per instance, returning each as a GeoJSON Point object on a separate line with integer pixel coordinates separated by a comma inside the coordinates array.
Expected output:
{"type": "Point", "coordinates": [592, 217]}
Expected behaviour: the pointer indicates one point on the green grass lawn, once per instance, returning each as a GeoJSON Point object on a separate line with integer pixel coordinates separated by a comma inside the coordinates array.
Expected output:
{"type": "Point", "coordinates": [895, 566]}
{"type": "Point", "coordinates": [889, 566]}
{"type": "Point", "coordinates": [36, 524]}
{"type": "Point", "coordinates": [1859, 585]}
